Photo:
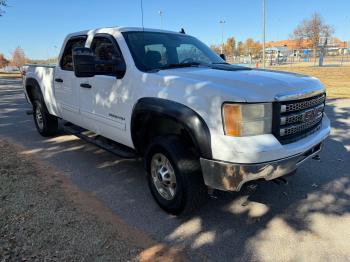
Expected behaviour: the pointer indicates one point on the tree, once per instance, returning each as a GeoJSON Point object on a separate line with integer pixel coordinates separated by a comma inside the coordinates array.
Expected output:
{"type": "Point", "coordinates": [215, 48]}
{"type": "Point", "coordinates": [240, 48]}
{"type": "Point", "coordinates": [18, 58]}
{"type": "Point", "coordinates": [251, 47]}
{"type": "Point", "coordinates": [2, 4]}
{"type": "Point", "coordinates": [230, 46]}
{"type": "Point", "coordinates": [3, 61]}
{"type": "Point", "coordinates": [312, 30]}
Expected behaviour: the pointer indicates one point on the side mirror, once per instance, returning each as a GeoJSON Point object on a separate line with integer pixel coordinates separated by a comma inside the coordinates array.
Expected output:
{"type": "Point", "coordinates": [86, 65]}
{"type": "Point", "coordinates": [115, 67]}
{"type": "Point", "coordinates": [121, 68]}
{"type": "Point", "coordinates": [223, 56]}
{"type": "Point", "coordinates": [83, 62]}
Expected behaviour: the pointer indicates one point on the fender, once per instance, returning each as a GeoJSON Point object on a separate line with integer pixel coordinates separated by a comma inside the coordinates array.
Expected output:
{"type": "Point", "coordinates": [188, 118]}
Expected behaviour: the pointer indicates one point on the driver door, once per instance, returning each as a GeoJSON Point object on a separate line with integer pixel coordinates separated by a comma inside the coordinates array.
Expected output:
{"type": "Point", "coordinates": [105, 101]}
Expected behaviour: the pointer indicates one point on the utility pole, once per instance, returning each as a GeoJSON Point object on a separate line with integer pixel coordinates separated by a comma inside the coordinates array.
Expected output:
{"type": "Point", "coordinates": [263, 31]}
{"type": "Point", "coordinates": [222, 22]}
{"type": "Point", "coordinates": [161, 18]}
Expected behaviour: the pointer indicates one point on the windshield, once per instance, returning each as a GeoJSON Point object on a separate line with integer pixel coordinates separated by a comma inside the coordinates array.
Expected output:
{"type": "Point", "coordinates": [156, 50]}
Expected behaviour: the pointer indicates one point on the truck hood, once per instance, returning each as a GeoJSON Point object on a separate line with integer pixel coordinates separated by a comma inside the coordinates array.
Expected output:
{"type": "Point", "coordinates": [250, 85]}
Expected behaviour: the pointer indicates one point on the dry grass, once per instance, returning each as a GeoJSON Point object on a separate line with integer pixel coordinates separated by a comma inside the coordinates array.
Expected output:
{"type": "Point", "coordinates": [14, 75]}
{"type": "Point", "coordinates": [336, 79]}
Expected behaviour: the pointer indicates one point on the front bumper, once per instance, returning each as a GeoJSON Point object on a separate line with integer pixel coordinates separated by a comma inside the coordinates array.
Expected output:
{"type": "Point", "coordinates": [231, 176]}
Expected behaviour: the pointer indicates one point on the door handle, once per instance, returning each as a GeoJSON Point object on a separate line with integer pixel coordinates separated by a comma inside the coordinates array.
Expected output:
{"type": "Point", "coordinates": [58, 80]}
{"type": "Point", "coordinates": [84, 85]}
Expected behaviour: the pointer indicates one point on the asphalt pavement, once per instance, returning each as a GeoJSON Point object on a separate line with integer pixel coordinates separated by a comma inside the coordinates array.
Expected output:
{"type": "Point", "coordinates": [305, 219]}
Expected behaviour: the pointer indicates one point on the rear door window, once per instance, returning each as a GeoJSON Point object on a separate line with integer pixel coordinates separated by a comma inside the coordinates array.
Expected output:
{"type": "Point", "coordinates": [66, 62]}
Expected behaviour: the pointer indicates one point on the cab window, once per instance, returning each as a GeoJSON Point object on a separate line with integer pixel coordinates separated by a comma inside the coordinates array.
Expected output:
{"type": "Point", "coordinates": [66, 62]}
{"type": "Point", "coordinates": [107, 54]}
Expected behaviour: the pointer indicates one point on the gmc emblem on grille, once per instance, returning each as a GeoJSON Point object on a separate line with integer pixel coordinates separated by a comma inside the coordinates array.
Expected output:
{"type": "Point", "coordinates": [312, 114]}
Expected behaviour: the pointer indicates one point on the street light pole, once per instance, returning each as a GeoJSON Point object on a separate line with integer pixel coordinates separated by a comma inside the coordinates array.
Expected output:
{"type": "Point", "coordinates": [161, 18]}
{"type": "Point", "coordinates": [263, 31]}
{"type": "Point", "coordinates": [222, 22]}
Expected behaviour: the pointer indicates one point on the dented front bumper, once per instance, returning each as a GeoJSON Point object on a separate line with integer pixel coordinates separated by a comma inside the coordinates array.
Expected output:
{"type": "Point", "coordinates": [232, 176]}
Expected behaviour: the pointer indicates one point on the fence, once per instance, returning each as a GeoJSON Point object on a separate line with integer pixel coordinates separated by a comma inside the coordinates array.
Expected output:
{"type": "Point", "coordinates": [298, 58]}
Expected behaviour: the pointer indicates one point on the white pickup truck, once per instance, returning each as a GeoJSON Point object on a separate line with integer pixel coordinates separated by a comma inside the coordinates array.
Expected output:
{"type": "Point", "coordinates": [198, 122]}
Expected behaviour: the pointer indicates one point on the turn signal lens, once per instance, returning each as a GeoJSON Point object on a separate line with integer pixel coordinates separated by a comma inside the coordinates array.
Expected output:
{"type": "Point", "coordinates": [232, 119]}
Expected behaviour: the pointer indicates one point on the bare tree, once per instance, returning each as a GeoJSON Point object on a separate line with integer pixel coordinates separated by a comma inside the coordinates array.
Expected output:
{"type": "Point", "coordinates": [18, 58]}
{"type": "Point", "coordinates": [312, 30]}
{"type": "Point", "coordinates": [3, 61]}
{"type": "Point", "coordinates": [2, 4]}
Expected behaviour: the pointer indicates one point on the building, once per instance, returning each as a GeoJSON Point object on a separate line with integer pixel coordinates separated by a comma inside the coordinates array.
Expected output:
{"type": "Point", "coordinates": [292, 44]}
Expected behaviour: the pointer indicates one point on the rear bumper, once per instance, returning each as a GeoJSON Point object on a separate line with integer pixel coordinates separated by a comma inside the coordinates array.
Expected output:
{"type": "Point", "coordinates": [231, 176]}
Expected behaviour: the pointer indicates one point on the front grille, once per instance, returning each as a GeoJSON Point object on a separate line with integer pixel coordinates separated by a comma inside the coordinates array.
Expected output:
{"type": "Point", "coordinates": [296, 119]}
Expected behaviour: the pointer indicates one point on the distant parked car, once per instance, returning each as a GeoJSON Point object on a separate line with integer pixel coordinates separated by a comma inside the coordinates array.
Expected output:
{"type": "Point", "coordinates": [11, 69]}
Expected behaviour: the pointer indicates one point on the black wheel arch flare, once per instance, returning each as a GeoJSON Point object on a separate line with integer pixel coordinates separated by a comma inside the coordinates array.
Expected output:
{"type": "Point", "coordinates": [185, 116]}
{"type": "Point", "coordinates": [32, 83]}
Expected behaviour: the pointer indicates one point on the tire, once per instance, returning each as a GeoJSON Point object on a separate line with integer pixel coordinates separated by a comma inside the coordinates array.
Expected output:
{"type": "Point", "coordinates": [45, 123]}
{"type": "Point", "coordinates": [190, 191]}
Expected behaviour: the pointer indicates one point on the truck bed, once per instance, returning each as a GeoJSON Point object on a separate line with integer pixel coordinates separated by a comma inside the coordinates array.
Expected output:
{"type": "Point", "coordinates": [44, 75]}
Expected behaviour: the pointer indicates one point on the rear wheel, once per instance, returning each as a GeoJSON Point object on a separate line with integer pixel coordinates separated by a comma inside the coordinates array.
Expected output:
{"type": "Point", "coordinates": [45, 123]}
{"type": "Point", "coordinates": [174, 175]}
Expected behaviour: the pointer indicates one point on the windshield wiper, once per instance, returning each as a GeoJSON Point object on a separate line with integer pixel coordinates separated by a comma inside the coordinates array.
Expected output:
{"type": "Point", "coordinates": [169, 66]}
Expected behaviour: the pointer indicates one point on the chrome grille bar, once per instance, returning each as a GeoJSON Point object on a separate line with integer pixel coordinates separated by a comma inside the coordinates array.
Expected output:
{"type": "Point", "coordinates": [296, 106]}
{"type": "Point", "coordinates": [301, 116]}
{"type": "Point", "coordinates": [293, 129]}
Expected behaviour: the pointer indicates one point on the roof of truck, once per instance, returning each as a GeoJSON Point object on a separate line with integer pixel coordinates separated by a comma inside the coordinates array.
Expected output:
{"type": "Point", "coordinates": [123, 29]}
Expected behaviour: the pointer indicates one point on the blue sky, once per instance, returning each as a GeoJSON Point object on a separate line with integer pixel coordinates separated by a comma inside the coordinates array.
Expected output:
{"type": "Point", "coordinates": [40, 25]}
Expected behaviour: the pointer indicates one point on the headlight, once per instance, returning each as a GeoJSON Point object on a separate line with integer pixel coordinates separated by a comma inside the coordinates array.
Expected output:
{"type": "Point", "coordinates": [247, 119]}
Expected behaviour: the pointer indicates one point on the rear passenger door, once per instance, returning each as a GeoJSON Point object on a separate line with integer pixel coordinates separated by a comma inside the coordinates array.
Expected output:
{"type": "Point", "coordinates": [66, 84]}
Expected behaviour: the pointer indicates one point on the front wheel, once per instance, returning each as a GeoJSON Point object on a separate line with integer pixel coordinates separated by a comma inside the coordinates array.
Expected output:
{"type": "Point", "coordinates": [45, 123]}
{"type": "Point", "coordinates": [174, 175]}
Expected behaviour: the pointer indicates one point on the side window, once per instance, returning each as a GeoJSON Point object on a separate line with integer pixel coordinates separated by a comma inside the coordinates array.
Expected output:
{"type": "Point", "coordinates": [192, 53]}
{"type": "Point", "coordinates": [67, 57]}
{"type": "Point", "coordinates": [107, 54]}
